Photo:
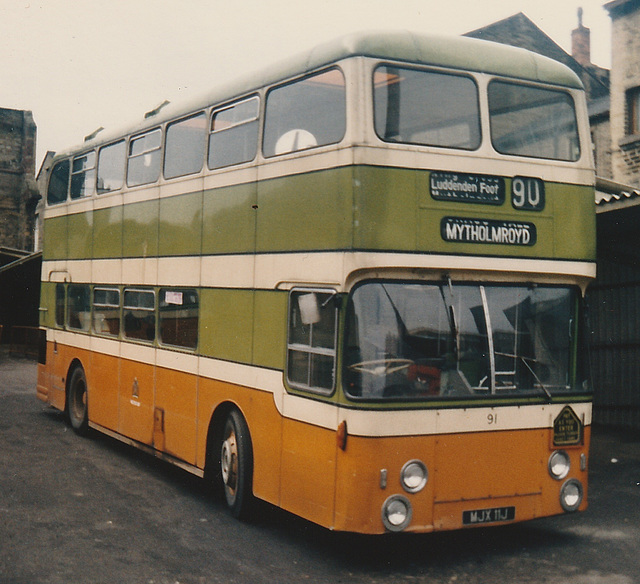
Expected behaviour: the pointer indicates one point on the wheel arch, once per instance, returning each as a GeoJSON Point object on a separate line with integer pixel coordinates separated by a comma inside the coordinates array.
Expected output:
{"type": "Point", "coordinates": [214, 432]}
{"type": "Point", "coordinates": [75, 364]}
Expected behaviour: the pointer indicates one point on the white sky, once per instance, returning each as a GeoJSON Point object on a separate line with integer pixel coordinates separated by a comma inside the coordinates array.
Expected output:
{"type": "Point", "coordinates": [82, 64]}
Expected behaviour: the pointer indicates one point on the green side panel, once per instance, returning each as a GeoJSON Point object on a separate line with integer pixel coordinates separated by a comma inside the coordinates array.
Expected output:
{"type": "Point", "coordinates": [80, 226]}
{"type": "Point", "coordinates": [54, 244]}
{"type": "Point", "coordinates": [107, 233]}
{"type": "Point", "coordinates": [229, 217]}
{"type": "Point", "coordinates": [385, 209]}
{"type": "Point", "coordinates": [394, 211]}
{"type": "Point", "coordinates": [181, 225]}
{"type": "Point", "coordinates": [226, 324]}
{"type": "Point", "coordinates": [306, 212]}
{"type": "Point", "coordinates": [270, 329]}
{"type": "Point", "coordinates": [48, 301]}
{"type": "Point", "coordinates": [140, 229]}
{"type": "Point", "coordinates": [574, 214]}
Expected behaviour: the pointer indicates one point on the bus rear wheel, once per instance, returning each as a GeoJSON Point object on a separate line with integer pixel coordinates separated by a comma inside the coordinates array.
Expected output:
{"type": "Point", "coordinates": [77, 406]}
{"type": "Point", "coordinates": [236, 465]}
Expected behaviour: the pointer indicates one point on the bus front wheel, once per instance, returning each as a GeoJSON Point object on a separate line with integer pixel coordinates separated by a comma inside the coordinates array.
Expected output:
{"type": "Point", "coordinates": [77, 409]}
{"type": "Point", "coordinates": [236, 465]}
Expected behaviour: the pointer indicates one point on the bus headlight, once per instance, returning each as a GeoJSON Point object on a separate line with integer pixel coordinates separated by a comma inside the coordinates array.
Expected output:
{"type": "Point", "coordinates": [559, 465]}
{"type": "Point", "coordinates": [413, 476]}
{"type": "Point", "coordinates": [396, 513]}
{"type": "Point", "coordinates": [571, 495]}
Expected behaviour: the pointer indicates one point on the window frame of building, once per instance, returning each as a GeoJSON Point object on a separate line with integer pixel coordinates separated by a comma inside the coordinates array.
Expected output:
{"type": "Point", "coordinates": [633, 111]}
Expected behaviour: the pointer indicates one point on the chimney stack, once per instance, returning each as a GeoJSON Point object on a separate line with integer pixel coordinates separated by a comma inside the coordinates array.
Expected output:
{"type": "Point", "coordinates": [581, 43]}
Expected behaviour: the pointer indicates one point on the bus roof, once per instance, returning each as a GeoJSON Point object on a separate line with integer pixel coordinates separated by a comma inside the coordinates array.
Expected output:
{"type": "Point", "coordinates": [452, 52]}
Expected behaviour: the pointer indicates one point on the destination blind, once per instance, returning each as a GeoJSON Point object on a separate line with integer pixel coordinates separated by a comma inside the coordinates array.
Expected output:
{"type": "Point", "coordinates": [467, 188]}
{"type": "Point", "coordinates": [465, 230]}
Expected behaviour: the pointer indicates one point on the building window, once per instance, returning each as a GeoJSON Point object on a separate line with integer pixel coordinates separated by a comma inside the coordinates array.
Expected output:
{"type": "Point", "coordinates": [312, 340]}
{"type": "Point", "coordinates": [633, 111]}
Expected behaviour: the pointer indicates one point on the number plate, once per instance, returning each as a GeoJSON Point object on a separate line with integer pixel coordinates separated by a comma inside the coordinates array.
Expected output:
{"type": "Point", "coordinates": [479, 516]}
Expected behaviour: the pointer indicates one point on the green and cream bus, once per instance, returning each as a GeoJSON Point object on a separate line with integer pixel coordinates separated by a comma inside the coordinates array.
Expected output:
{"type": "Point", "coordinates": [350, 286]}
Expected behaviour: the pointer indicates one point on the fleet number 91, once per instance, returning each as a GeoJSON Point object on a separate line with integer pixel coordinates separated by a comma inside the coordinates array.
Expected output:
{"type": "Point", "coordinates": [527, 193]}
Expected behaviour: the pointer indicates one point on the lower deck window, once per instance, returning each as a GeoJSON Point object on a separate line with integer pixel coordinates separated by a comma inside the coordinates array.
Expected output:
{"type": "Point", "coordinates": [178, 317]}
{"type": "Point", "coordinates": [139, 315]}
{"type": "Point", "coordinates": [60, 304]}
{"type": "Point", "coordinates": [312, 340]}
{"type": "Point", "coordinates": [106, 311]}
{"type": "Point", "coordinates": [78, 307]}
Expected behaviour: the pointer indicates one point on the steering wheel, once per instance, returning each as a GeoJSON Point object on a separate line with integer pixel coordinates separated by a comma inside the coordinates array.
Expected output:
{"type": "Point", "coordinates": [380, 367]}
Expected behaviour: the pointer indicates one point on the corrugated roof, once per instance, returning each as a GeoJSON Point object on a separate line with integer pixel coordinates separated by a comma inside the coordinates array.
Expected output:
{"type": "Point", "coordinates": [613, 195]}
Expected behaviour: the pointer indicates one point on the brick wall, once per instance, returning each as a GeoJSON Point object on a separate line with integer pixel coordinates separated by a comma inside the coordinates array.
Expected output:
{"type": "Point", "coordinates": [625, 76]}
{"type": "Point", "coordinates": [18, 193]}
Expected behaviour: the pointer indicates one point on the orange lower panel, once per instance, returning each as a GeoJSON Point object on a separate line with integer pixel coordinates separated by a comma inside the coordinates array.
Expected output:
{"type": "Point", "coordinates": [136, 398]}
{"type": "Point", "coordinates": [103, 378]}
{"type": "Point", "coordinates": [485, 477]}
{"type": "Point", "coordinates": [308, 471]}
{"type": "Point", "coordinates": [175, 397]}
{"type": "Point", "coordinates": [480, 471]}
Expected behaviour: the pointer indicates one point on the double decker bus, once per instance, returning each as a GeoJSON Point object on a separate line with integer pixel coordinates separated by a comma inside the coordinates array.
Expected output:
{"type": "Point", "coordinates": [350, 286]}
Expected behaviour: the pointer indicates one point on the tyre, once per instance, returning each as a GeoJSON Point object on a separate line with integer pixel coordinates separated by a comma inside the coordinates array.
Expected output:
{"type": "Point", "coordinates": [236, 465]}
{"type": "Point", "coordinates": [77, 402]}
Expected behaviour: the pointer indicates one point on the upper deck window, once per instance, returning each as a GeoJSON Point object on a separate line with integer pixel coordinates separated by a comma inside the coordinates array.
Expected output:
{"type": "Point", "coordinates": [83, 175]}
{"type": "Point", "coordinates": [58, 183]}
{"type": "Point", "coordinates": [234, 134]}
{"type": "Point", "coordinates": [428, 108]}
{"type": "Point", "coordinates": [184, 149]}
{"type": "Point", "coordinates": [111, 161]}
{"type": "Point", "coordinates": [144, 158]}
{"type": "Point", "coordinates": [532, 121]}
{"type": "Point", "coordinates": [305, 114]}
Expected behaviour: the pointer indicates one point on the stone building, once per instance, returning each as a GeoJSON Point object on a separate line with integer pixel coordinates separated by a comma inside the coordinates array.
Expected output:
{"type": "Point", "coordinates": [625, 90]}
{"type": "Point", "coordinates": [18, 192]}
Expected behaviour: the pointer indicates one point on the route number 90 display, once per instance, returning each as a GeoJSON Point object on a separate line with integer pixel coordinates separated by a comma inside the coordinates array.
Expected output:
{"type": "Point", "coordinates": [527, 193]}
